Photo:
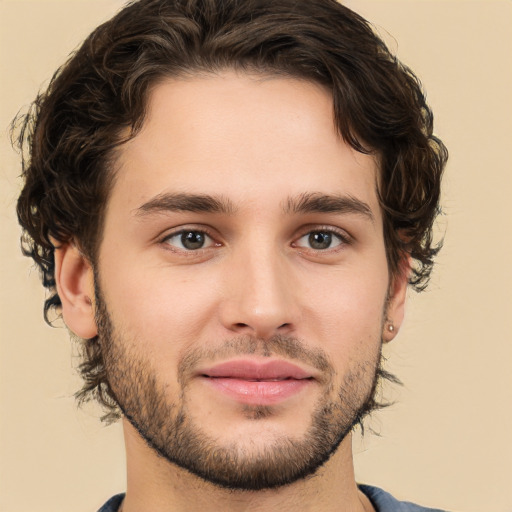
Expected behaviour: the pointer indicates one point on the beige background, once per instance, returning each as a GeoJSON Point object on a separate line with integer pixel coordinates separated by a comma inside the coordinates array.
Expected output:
{"type": "Point", "coordinates": [447, 442]}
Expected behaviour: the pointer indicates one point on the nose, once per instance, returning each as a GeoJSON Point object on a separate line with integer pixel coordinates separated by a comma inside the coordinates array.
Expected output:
{"type": "Point", "coordinates": [259, 295]}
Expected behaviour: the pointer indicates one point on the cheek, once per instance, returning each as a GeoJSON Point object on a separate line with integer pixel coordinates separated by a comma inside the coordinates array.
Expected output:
{"type": "Point", "coordinates": [159, 307]}
{"type": "Point", "coordinates": [348, 310]}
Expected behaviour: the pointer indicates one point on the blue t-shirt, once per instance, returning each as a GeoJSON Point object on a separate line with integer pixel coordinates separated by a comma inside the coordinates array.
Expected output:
{"type": "Point", "coordinates": [381, 501]}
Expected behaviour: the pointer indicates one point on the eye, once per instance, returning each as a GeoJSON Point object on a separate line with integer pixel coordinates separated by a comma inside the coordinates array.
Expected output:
{"type": "Point", "coordinates": [189, 240]}
{"type": "Point", "coordinates": [321, 240]}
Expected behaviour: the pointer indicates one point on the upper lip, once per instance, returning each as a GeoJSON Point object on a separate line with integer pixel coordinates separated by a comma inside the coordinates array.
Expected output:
{"type": "Point", "coordinates": [253, 370]}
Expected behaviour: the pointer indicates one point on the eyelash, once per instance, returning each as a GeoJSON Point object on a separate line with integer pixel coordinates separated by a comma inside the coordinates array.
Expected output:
{"type": "Point", "coordinates": [342, 236]}
{"type": "Point", "coordinates": [201, 231]}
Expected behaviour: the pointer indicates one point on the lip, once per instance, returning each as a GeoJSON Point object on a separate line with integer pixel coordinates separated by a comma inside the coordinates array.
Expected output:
{"type": "Point", "coordinates": [254, 370]}
{"type": "Point", "coordinates": [257, 383]}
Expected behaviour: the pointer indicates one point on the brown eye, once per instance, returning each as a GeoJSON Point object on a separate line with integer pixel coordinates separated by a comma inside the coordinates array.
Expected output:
{"type": "Point", "coordinates": [321, 240]}
{"type": "Point", "coordinates": [192, 240]}
{"type": "Point", "coordinates": [189, 240]}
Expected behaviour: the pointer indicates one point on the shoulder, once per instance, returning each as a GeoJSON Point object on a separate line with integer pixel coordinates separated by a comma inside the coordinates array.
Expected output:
{"type": "Point", "coordinates": [384, 502]}
{"type": "Point", "coordinates": [112, 505]}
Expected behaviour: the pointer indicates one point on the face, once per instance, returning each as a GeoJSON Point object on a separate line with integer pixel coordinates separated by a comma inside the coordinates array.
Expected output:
{"type": "Point", "coordinates": [242, 284]}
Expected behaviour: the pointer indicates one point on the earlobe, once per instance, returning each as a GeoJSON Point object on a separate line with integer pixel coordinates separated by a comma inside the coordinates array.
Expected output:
{"type": "Point", "coordinates": [75, 286]}
{"type": "Point", "coordinates": [396, 301]}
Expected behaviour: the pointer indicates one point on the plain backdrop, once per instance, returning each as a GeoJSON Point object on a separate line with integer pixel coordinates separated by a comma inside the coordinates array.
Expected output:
{"type": "Point", "coordinates": [447, 441]}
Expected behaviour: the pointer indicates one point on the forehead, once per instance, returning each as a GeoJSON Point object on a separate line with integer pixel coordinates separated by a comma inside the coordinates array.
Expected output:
{"type": "Point", "coordinates": [251, 138]}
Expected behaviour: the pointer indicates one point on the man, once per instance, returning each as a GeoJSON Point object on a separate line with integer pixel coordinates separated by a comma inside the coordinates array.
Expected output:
{"type": "Point", "coordinates": [227, 201]}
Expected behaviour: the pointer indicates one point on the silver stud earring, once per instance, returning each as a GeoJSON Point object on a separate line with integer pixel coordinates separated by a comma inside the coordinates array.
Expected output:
{"type": "Point", "coordinates": [391, 328]}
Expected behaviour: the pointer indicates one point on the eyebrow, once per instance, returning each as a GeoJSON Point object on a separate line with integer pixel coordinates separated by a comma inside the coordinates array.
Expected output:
{"type": "Point", "coordinates": [310, 202]}
{"type": "Point", "coordinates": [316, 202]}
{"type": "Point", "coordinates": [199, 203]}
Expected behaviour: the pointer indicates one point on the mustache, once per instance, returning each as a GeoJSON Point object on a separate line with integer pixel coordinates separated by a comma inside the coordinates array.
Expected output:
{"type": "Point", "coordinates": [288, 347]}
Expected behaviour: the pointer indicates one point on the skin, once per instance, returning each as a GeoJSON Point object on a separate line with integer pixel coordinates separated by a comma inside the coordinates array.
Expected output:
{"type": "Point", "coordinates": [258, 143]}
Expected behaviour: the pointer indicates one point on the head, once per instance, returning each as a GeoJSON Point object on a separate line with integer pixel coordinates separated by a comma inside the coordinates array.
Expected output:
{"type": "Point", "coordinates": [114, 97]}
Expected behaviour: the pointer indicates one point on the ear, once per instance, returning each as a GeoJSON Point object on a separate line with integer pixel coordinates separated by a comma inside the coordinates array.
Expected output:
{"type": "Point", "coordinates": [396, 300]}
{"type": "Point", "coordinates": [75, 285]}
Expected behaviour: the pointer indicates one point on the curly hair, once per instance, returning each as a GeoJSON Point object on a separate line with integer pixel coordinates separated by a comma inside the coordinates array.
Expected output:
{"type": "Point", "coordinates": [68, 136]}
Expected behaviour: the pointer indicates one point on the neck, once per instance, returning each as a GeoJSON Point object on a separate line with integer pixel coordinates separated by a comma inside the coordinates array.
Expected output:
{"type": "Point", "coordinates": [154, 484]}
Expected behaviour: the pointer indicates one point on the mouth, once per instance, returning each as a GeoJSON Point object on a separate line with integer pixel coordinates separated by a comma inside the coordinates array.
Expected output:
{"type": "Point", "coordinates": [256, 383]}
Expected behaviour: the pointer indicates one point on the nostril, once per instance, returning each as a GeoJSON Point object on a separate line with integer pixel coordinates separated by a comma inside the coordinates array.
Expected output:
{"type": "Point", "coordinates": [259, 327]}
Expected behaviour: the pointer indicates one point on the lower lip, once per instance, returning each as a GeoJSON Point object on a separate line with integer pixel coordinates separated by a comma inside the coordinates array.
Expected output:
{"type": "Point", "coordinates": [258, 392]}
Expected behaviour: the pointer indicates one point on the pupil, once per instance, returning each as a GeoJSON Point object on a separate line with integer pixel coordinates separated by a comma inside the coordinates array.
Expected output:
{"type": "Point", "coordinates": [192, 240]}
{"type": "Point", "coordinates": [320, 240]}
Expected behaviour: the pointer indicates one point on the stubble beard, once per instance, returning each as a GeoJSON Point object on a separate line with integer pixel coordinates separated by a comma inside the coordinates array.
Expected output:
{"type": "Point", "coordinates": [168, 428]}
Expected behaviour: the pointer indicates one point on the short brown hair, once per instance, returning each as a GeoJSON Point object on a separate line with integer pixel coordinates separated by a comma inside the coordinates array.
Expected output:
{"type": "Point", "coordinates": [72, 128]}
